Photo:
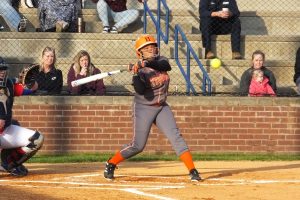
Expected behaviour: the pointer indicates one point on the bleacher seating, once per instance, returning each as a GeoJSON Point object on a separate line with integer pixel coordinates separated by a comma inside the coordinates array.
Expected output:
{"type": "Point", "coordinates": [262, 28]}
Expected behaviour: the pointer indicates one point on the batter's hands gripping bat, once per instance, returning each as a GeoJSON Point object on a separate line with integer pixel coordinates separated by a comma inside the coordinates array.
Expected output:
{"type": "Point", "coordinates": [95, 77]}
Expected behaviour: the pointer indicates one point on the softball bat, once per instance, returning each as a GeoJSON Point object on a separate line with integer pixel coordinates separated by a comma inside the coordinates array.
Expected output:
{"type": "Point", "coordinates": [95, 77]}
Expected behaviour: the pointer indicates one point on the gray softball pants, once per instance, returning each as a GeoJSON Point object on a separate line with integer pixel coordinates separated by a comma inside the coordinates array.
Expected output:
{"type": "Point", "coordinates": [143, 118]}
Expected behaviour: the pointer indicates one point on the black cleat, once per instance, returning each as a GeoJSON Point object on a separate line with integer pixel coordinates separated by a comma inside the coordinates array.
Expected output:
{"type": "Point", "coordinates": [20, 170]}
{"type": "Point", "coordinates": [109, 171]}
{"type": "Point", "coordinates": [194, 174]}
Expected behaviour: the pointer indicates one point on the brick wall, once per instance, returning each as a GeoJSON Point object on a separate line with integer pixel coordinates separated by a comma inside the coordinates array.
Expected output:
{"type": "Point", "coordinates": [208, 124]}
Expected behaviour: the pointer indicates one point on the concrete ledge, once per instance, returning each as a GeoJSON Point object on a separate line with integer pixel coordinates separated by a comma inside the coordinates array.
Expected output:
{"type": "Point", "coordinates": [172, 100]}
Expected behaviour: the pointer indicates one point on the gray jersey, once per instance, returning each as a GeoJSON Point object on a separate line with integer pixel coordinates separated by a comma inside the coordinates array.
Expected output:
{"type": "Point", "coordinates": [156, 85]}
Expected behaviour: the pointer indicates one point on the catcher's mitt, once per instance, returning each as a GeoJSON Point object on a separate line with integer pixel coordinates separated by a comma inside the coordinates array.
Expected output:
{"type": "Point", "coordinates": [28, 74]}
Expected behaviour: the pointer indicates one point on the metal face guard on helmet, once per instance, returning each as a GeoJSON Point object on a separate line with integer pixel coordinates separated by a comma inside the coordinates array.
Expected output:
{"type": "Point", "coordinates": [3, 75]}
{"type": "Point", "coordinates": [149, 55]}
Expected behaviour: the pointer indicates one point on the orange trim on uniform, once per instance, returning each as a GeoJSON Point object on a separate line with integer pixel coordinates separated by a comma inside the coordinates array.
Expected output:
{"type": "Point", "coordinates": [187, 159]}
{"type": "Point", "coordinates": [116, 159]}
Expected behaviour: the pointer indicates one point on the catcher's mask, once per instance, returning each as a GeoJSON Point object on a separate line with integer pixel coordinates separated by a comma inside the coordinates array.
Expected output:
{"type": "Point", "coordinates": [144, 41]}
{"type": "Point", "coordinates": [3, 75]}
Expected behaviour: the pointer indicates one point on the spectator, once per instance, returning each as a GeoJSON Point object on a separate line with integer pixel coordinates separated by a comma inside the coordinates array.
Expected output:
{"type": "Point", "coordinates": [118, 11]}
{"type": "Point", "coordinates": [81, 68]}
{"type": "Point", "coordinates": [219, 18]}
{"type": "Point", "coordinates": [49, 79]}
{"type": "Point", "coordinates": [1, 27]}
{"type": "Point", "coordinates": [297, 71]}
{"type": "Point", "coordinates": [59, 16]}
{"type": "Point", "coordinates": [260, 85]}
{"type": "Point", "coordinates": [12, 17]}
{"type": "Point", "coordinates": [258, 59]}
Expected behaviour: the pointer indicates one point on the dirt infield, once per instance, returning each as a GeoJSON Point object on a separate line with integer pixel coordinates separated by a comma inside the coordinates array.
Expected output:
{"type": "Point", "coordinates": [156, 180]}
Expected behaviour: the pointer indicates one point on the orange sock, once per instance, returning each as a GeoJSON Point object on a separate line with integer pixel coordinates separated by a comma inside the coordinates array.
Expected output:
{"type": "Point", "coordinates": [116, 159]}
{"type": "Point", "coordinates": [187, 159]}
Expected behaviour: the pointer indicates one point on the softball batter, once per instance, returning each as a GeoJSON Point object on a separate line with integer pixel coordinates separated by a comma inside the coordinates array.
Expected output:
{"type": "Point", "coordinates": [151, 82]}
{"type": "Point", "coordinates": [17, 144]}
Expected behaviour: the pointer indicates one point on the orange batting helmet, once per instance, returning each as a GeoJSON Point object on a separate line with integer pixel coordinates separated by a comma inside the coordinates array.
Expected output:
{"type": "Point", "coordinates": [143, 41]}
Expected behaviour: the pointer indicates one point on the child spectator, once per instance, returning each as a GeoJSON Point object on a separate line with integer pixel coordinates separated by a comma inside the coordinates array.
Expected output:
{"type": "Point", "coordinates": [260, 85]}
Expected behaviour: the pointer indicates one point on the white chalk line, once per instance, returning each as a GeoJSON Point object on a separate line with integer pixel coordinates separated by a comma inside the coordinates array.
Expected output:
{"type": "Point", "coordinates": [203, 183]}
{"type": "Point", "coordinates": [135, 189]}
{"type": "Point", "coordinates": [92, 184]}
{"type": "Point", "coordinates": [125, 181]}
{"type": "Point", "coordinates": [255, 181]}
{"type": "Point", "coordinates": [200, 183]}
{"type": "Point", "coordinates": [130, 190]}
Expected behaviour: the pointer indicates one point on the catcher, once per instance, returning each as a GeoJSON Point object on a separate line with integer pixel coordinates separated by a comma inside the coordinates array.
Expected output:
{"type": "Point", "coordinates": [17, 144]}
{"type": "Point", "coordinates": [151, 82]}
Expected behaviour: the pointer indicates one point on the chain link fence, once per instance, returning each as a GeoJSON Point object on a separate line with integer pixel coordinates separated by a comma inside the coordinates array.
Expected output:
{"type": "Point", "coordinates": [270, 26]}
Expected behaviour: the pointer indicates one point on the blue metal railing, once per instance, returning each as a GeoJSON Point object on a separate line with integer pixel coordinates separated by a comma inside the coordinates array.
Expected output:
{"type": "Point", "coordinates": [160, 34]}
{"type": "Point", "coordinates": [206, 82]}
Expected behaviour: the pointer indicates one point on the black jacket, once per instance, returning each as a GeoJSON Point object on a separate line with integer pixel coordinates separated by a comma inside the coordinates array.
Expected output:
{"type": "Point", "coordinates": [206, 7]}
{"type": "Point", "coordinates": [297, 66]}
{"type": "Point", "coordinates": [247, 76]}
{"type": "Point", "coordinates": [51, 82]}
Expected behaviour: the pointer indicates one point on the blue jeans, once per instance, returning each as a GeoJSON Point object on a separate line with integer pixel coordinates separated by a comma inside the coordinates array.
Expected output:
{"type": "Point", "coordinates": [10, 15]}
{"type": "Point", "coordinates": [121, 19]}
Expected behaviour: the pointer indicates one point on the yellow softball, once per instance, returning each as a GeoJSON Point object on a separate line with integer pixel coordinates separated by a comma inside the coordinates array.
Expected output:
{"type": "Point", "coordinates": [215, 63]}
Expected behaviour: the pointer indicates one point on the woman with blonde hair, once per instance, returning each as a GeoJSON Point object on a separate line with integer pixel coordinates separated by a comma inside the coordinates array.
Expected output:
{"type": "Point", "coordinates": [49, 79]}
{"type": "Point", "coordinates": [81, 68]}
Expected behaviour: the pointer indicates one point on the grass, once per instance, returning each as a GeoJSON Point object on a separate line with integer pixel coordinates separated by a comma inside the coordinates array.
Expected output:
{"type": "Point", "coordinates": [96, 157]}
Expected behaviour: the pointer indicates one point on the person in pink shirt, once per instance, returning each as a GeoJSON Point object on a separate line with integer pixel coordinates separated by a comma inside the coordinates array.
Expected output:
{"type": "Point", "coordinates": [260, 85]}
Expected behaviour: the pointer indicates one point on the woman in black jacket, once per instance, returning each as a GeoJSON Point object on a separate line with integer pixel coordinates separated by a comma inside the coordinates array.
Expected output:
{"type": "Point", "coordinates": [49, 78]}
{"type": "Point", "coordinates": [258, 59]}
